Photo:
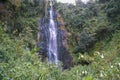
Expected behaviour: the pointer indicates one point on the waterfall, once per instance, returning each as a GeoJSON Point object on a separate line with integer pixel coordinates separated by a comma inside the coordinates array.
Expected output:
{"type": "Point", "coordinates": [51, 40]}
{"type": "Point", "coordinates": [52, 45]}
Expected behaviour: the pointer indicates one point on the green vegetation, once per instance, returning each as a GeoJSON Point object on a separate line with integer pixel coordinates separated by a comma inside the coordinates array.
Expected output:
{"type": "Point", "coordinates": [94, 42]}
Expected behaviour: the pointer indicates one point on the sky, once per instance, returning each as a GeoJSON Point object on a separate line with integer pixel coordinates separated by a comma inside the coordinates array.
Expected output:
{"type": "Point", "coordinates": [71, 1]}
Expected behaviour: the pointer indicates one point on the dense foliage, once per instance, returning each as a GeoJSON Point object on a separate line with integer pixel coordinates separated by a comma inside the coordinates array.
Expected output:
{"type": "Point", "coordinates": [94, 41]}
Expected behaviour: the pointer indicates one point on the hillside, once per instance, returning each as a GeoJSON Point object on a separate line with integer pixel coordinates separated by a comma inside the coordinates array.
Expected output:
{"type": "Point", "coordinates": [93, 40]}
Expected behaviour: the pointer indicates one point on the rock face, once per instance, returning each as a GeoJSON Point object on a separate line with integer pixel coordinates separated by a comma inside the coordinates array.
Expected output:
{"type": "Point", "coordinates": [43, 41]}
{"type": "Point", "coordinates": [63, 53]}
{"type": "Point", "coordinates": [43, 38]}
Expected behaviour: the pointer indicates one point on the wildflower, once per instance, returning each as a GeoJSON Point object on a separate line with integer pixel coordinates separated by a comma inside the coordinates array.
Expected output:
{"type": "Point", "coordinates": [111, 66]}
{"type": "Point", "coordinates": [82, 72]}
{"type": "Point", "coordinates": [82, 56]}
{"type": "Point", "coordinates": [85, 72]}
{"type": "Point", "coordinates": [98, 53]}
{"type": "Point", "coordinates": [101, 74]}
{"type": "Point", "coordinates": [102, 56]}
{"type": "Point", "coordinates": [118, 64]}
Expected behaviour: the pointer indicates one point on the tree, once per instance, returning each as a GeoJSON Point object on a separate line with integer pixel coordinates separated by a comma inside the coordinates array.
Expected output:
{"type": "Point", "coordinates": [113, 10]}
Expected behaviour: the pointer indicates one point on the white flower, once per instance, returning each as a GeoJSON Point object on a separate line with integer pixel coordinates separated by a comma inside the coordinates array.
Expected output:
{"type": "Point", "coordinates": [101, 74]}
{"type": "Point", "coordinates": [102, 56]}
{"type": "Point", "coordinates": [85, 72]}
{"type": "Point", "coordinates": [118, 64]}
{"type": "Point", "coordinates": [98, 53]}
{"type": "Point", "coordinates": [82, 56]}
{"type": "Point", "coordinates": [111, 66]}
{"type": "Point", "coordinates": [82, 72]}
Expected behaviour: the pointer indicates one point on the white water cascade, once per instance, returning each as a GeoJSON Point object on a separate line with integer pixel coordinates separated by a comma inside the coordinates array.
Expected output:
{"type": "Point", "coordinates": [52, 46]}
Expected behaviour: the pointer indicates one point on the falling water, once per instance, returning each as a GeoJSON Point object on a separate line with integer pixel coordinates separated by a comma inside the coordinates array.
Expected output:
{"type": "Point", "coordinates": [52, 46]}
{"type": "Point", "coordinates": [51, 40]}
